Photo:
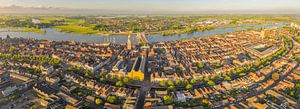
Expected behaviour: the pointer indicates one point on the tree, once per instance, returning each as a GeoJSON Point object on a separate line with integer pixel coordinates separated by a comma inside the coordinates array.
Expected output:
{"type": "Point", "coordinates": [205, 102]}
{"type": "Point", "coordinates": [112, 77]}
{"type": "Point", "coordinates": [200, 79]}
{"type": "Point", "coordinates": [162, 83]}
{"type": "Point", "coordinates": [170, 83]}
{"type": "Point", "coordinates": [112, 99]}
{"type": "Point", "coordinates": [185, 81]}
{"type": "Point", "coordinates": [171, 88]}
{"type": "Point", "coordinates": [189, 87]}
{"type": "Point", "coordinates": [206, 78]}
{"type": "Point", "coordinates": [218, 65]}
{"type": "Point", "coordinates": [211, 83]}
{"type": "Point", "coordinates": [178, 82]}
{"type": "Point", "coordinates": [193, 81]}
{"type": "Point", "coordinates": [200, 65]}
{"type": "Point", "coordinates": [86, 105]}
{"type": "Point", "coordinates": [126, 80]}
{"type": "Point", "coordinates": [107, 76]}
{"type": "Point", "coordinates": [242, 74]}
{"type": "Point", "coordinates": [35, 106]}
{"type": "Point", "coordinates": [119, 83]}
{"type": "Point", "coordinates": [11, 49]}
{"type": "Point", "coordinates": [102, 80]}
{"type": "Point", "coordinates": [98, 101]}
{"type": "Point", "coordinates": [168, 99]}
{"type": "Point", "coordinates": [275, 76]}
{"type": "Point", "coordinates": [227, 78]}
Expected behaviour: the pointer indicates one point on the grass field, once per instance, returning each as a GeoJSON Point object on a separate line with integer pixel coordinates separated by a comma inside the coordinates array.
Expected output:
{"type": "Point", "coordinates": [76, 29]}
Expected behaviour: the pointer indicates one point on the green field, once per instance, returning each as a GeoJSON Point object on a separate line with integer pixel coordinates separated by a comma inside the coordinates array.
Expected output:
{"type": "Point", "coordinates": [76, 29]}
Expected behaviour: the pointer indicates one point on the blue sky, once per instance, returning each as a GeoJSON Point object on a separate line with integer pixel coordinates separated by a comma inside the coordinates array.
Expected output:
{"type": "Point", "coordinates": [171, 5]}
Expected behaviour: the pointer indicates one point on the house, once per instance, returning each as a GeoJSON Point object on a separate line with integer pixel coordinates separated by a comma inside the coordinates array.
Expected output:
{"type": "Point", "coordinates": [52, 80]}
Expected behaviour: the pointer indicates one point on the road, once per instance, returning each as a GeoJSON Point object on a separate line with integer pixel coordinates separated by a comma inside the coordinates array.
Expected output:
{"type": "Point", "coordinates": [145, 86]}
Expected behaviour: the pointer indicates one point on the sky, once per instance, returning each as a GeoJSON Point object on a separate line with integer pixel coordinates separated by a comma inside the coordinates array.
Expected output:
{"type": "Point", "coordinates": [174, 6]}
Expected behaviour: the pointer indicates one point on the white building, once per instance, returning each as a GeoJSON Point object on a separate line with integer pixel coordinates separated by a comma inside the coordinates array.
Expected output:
{"type": "Point", "coordinates": [9, 90]}
{"type": "Point", "coordinates": [295, 25]}
{"type": "Point", "coordinates": [180, 97]}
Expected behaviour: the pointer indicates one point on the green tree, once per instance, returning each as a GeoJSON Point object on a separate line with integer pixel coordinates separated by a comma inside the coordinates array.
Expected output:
{"type": "Point", "coordinates": [107, 76]}
{"type": "Point", "coordinates": [227, 78]}
{"type": "Point", "coordinates": [112, 99]}
{"type": "Point", "coordinates": [119, 83]}
{"type": "Point", "coordinates": [162, 83]}
{"type": "Point", "coordinates": [178, 82]}
{"type": "Point", "coordinates": [189, 87]}
{"type": "Point", "coordinates": [205, 101]}
{"type": "Point", "coordinates": [171, 88]}
{"type": "Point", "coordinates": [242, 74]}
{"type": "Point", "coordinates": [168, 100]}
{"type": "Point", "coordinates": [199, 65]}
{"type": "Point", "coordinates": [200, 79]}
{"type": "Point", "coordinates": [218, 65]}
{"type": "Point", "coordinates": [11, 49]}
{"type": "Point", "coordinates": [126, 80]}
{"type": "Point", "coordinates": [98, 101]}
{"type": "Point", "coordinates": [211, 83]}
{"type": "Point", "coordinates": [112, 77]}
{"type": "Point", "coordinates": [170, 83]}
{"type": "Point", "coordinates": [206, 78]}
{"type": "Point", "coordinates": [86, 105]}
{"type": "Point", "coordinates": [102, 80]}
{"type": "Point", "coordinates": [193, 81]}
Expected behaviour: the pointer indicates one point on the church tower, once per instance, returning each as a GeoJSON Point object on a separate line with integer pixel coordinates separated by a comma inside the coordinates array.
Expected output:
{"type": "Point", "coordinates": [262, 33]}
{"type": "Point", "coordinates": [129, 41]}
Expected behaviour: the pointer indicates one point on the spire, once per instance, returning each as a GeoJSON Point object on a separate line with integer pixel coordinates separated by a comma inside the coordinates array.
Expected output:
{"type": "Point", "coordinates": [129, 41]}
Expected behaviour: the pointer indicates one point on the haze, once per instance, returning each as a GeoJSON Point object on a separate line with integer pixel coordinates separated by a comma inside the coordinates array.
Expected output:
{"type": "Point", "coordinates": [150, 7]}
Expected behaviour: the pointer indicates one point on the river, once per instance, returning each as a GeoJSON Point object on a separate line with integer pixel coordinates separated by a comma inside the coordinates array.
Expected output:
{"type": "Point", "coordinates": [53, 34]}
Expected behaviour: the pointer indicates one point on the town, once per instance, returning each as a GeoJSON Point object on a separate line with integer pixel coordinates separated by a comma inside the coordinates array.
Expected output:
{"type": "Point", "coordinates": [244, 69]}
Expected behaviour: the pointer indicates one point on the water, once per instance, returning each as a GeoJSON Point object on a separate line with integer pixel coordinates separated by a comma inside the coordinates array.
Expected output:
{"type": "Point", "coordinates": [52, 34]}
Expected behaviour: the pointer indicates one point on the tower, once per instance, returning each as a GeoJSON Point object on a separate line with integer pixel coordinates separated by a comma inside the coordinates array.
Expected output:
{"type": "Point", "coordinates": [262, 33]}
{"type": "Point", "coordinates": [129, 41]}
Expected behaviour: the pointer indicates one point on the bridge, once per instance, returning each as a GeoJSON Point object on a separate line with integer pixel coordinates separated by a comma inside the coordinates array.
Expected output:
{"type": "Point", "coordinates": [142, 38]}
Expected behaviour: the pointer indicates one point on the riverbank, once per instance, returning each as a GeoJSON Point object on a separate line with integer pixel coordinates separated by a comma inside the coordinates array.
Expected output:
{"type": "Point", "coordinates": [25, 29]}
{"type": "Point", "coordinates": [31, 30]}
